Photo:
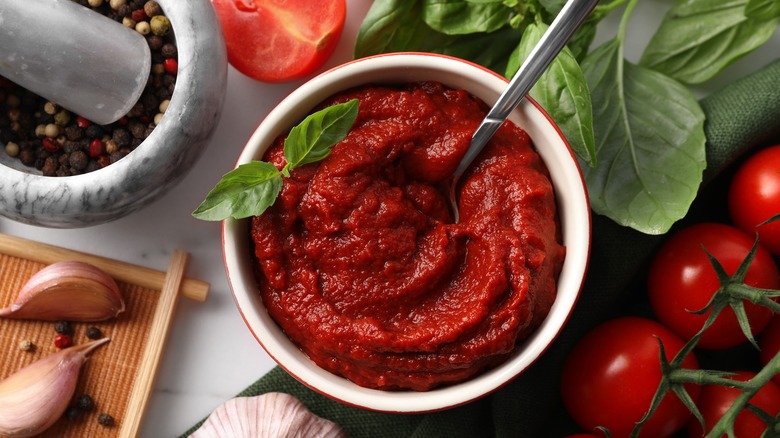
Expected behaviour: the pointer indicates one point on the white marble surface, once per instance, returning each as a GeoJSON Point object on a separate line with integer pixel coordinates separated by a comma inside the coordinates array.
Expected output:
{"type": "Point", "coordinates": [211, 355]}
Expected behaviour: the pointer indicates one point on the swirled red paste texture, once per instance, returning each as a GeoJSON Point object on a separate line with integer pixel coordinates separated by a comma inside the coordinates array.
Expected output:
{"type": "Point", "coordinates": [361, 265]}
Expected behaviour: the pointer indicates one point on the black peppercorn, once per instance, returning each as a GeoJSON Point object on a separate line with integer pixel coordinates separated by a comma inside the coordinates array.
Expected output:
{"type": "Point", "coordinates": [94, 131]}
{"type": "Point", "coordinates": [63, 327]}
{"type": "Point", "coordinates": [73, 413]}
{"type": "Point", "coordinates": [73, 132]}
{"type": "Point", "coordinates": [105, 420]}
{"type": "Point", "coordinates": [121, 137]}
{"type": "Point", "coordinates": [94, 333]}
{"type": "Point", "coordinates": [168, 50]}
{"type": "Point", "coordinates": [85, 403]}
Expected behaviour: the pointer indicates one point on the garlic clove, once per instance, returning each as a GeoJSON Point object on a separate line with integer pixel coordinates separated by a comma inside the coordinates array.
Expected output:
{"type": "Point", "coordinates": [35, 397]}
{"type": "Point", "coordinates": [274, 414]}
{"type": "Point", "coordinates": [70, 291]}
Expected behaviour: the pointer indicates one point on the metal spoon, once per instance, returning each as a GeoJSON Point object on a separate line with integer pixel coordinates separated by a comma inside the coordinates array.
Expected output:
{"type": "Point", "coordinates": [570, 18]}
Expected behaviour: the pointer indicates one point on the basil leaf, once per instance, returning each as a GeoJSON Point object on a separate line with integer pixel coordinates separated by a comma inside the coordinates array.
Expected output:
{"type": "Point", "coordinates": [552, 6]}
{"type": "Point", "coordinates": [762, 9]}
{"type": "Point", "coordinates": [699, 38]}
{"type": "Point", "coordinates": [459, 17]}
{"type": "Point", "coordinates": [311, 140]}
{"type": "Point", "coordinates": [245, 191]}
{"type": "Point", "coordinates": [472, 47]}
{"type": "Point", "coordinates": [562, 92]}
{"type": "Point", "coordinates": [391, 26]}
{"type": "Point", "coordinates": [650, 143]}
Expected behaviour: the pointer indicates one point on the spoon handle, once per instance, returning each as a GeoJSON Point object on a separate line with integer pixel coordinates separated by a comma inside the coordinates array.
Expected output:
{"type": "Point", "coordinates": [569, 19]}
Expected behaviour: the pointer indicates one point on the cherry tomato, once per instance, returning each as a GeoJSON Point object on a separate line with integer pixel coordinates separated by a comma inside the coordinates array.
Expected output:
{"type": "Point", "coordinates": [754, 196]}
{"type": "Point", "coordinates": [611, 375]}
{"type": "Point", "coordinates": [682, 279]}
{"type": "Point", "coordinates": [715, 400]}
{"type": "Point", "coordinates": [770, 343]}
{"type": "Point", "coordinates": [280, 40]}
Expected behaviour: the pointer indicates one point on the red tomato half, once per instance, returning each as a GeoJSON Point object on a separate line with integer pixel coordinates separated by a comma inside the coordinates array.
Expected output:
{"type": "Point", "coordinates": [770, 343]}
{"type": "Point", "coordinates": [280, 40]}
{"type": "Point", "coordinates": [611, 375]}
{"type": "Point", "coordinates": [715, 400]}
{"type": "Point", "coordinates": [681, 279]}
{"type": "Point", "coordinates": [754, 196]}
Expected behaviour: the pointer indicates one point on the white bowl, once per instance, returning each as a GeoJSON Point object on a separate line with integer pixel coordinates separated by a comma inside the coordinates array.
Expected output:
{"type": "Point", "coordinates": [158, 163]}
{"type": "Point", "coordinates": [573, 209]}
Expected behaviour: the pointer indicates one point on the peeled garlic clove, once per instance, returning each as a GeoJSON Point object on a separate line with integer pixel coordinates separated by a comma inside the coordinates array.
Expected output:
{"type": "Point", "coordinates": [67, 291]}
{"type": "Point", "coordinates": [36, 396]}
{"type": "Point", "coordinates": [274, 414]}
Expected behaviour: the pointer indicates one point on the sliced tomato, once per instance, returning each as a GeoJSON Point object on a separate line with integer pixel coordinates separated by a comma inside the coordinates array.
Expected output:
{"type": "Point", "coordinates": [280, 40]}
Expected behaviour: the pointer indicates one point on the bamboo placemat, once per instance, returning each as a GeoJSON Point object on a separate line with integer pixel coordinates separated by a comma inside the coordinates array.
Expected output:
{"type": "Point", "coordinates": [119, 375]}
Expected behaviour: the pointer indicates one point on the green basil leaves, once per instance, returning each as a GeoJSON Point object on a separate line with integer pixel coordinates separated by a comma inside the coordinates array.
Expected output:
{"type": "Point", "coordinates": [636, 130]}
{"type": "Point", "coordinates": [699, 38]}
{"type": "Point", "coordinates": [251, 188]}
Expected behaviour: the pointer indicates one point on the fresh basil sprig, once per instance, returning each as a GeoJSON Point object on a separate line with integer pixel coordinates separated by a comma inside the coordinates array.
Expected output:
{"type": "Point", "coordinates": [699, 38]}
{"type": "Point", "coordinates": [251, 188]}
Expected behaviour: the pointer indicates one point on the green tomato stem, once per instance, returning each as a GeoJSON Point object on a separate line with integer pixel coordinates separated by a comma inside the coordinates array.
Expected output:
{"type": "Point", "coordinates": [725, 424]}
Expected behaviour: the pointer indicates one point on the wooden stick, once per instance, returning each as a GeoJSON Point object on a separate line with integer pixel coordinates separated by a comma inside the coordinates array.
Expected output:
{"type": "Point", "coordinates": [149, 278]}
{"type": "Point", "coordinates": [158, 336]}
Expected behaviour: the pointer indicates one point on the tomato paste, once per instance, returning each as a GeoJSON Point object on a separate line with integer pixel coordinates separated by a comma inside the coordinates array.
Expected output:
{"type": "Point", "coordinates": [361, 265]}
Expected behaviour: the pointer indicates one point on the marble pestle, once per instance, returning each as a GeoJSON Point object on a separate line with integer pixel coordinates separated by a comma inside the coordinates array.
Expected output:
{"type": "Point", "coordinates": [73, 56]}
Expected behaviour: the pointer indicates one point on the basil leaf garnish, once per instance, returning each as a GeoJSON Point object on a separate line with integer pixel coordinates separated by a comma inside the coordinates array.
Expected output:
{"type": "Point", "coordinates": [313, 138]}
{"type": "Point", "coordinates": [244, 191]}
{"type": "Point", "coordinates": [251, 188]}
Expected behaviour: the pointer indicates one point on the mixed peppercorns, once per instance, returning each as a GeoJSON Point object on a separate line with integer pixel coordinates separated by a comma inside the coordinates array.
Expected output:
{"type": "Point", "coordinates": [59, 143]}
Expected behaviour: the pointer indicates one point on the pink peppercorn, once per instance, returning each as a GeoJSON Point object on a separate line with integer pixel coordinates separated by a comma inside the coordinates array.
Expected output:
{"type": "Point", "coordinates": [171, 66]}
{"type": "Point", "coordinates": [62, 341]}
{"type": "Point", "coordinates": [139, 15]}
{"type": "Point", "coordinates": [96, 148]}
{"type": "Point", "coordinates": [50, 145]}
{"type": "Point", "coordinates": [82, 122]}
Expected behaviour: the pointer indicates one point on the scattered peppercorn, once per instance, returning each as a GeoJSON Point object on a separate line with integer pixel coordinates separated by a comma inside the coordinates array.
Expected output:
{"type": "Point", "coordinates": [62, 341]}
{"type": "Point", "coordinates": [94, 333]}
{"type": "Point", "coordinates": [73, 413]}
{"type": "Point", "coordinates": [105, 419]}
{"type": "Point", "coordinates": [63, 327]}
{"type": "Point", "coordinates": [85, 403]}
{"type": "Point", "coordinates": [26, 345]}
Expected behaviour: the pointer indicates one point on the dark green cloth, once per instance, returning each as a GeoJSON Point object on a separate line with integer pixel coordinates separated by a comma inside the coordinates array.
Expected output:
{"type": "Point", "coordinates": [740, 117]}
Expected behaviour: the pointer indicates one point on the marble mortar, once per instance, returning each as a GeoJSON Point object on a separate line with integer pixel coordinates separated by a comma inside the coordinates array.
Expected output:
{"type": "Point", "coordinates": [155, 166]}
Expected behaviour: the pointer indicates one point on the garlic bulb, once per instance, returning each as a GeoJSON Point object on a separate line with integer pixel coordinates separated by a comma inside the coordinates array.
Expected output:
{"type": "Point", "coordinates": [36, 396]}
{"type": "Point", "coordinates": [69, 291]}
{"type": "Point", "coordinates": [271, 415]}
